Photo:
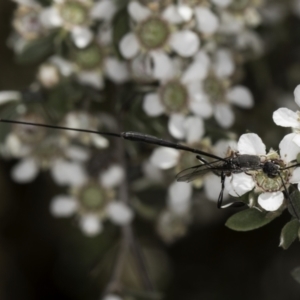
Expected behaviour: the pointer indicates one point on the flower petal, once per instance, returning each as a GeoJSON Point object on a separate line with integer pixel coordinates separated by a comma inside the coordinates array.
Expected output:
{"type": "Point", "coordinates": [116, 70]}
{"type": "Point", "coordinates": [207, 21]}
{"type": "Point", "coordinates": [222, 147]}
{"type": "Point", "coordinates": [103, 10]}
{"type": "Point", "coordinates": [251, 143]}
{"type": "Point", "coordinates": [224, 115]}
{"type": "Point", "coordinates": [164, 158]}
{"type": "Point", "coordinates": [137, 11]}
{"type": "Point", "coordinates": [25, 171]}
{"type": "Point", "coordinates": [286, 118]}
{"type": "Point", "coordinates": [270, 201]}
{"type": "Point", "coordinates": [119, 213]}
{"type": "Point", "coordinates": [50, 17]}
{"type": "Point", "coordinates": [194, 128]}
{"type": "Point", "coordinates": [296, 139]}
{"type": "Point", "coordinates": [223, 63]}
{"type": "Point", "coordinates": [77, 153]}
{"type": "Point", "coordinates": [90, 225]}
{"type": "Point", "coordinates": [288, 149]}
{"type": "Point", "coordinates": [100, 141]}
{"type": "Point", "coordinates": [297, 94]}
{"type": "Point", "coordinates": [7, 96]}
{"type": "Point", "coordinates": [63, 206]}
{"type": "Point", "coordinates": [185, 43]}
{"type": "Point", "coordinates": [179, 197]}
{"type": "Point", "coordinates": [239, 184]}
{"type": "Point", "coordinates": [240, 96]}
{"type": "Point", "coordinates": [161, 65]}
{"type": "Point", "coordinates": [152, 172]}
{"type": "Point", "coordinates": [172, 15]}
{"type": "Point", "coordinates": [91, 78]}
{"type": "Point", "coordinates": [175, 126]}
{"type": "Point", "coordinates": [152, 105]}
{"type": "Point", "coordinates": [81, 36]}
{"type": "Point", "coordinates": [112, 177]}
{"type": "Point", "coordinates": [295, 176]}
{"type": "Point", "coordinates": [68, 173]}
{"type": "Point", "coordinates": [221, 3]}
{"type": "Point", "coordinates": [66, 68]}
{"type": "Point", "coordinates": [129, 45]}
{"type": "Point", "coordinates": [185, 11]}
{"type": "Point", "coordinates": [212, 187]}
{"type": "Point", "coordinates": [198, 69]}
{"type": "Point", "coordinates": [202, 109]}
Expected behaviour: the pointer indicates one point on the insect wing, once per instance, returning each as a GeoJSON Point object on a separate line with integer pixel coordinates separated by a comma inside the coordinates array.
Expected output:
{"type": "Point", "coordinates": [195, 172]}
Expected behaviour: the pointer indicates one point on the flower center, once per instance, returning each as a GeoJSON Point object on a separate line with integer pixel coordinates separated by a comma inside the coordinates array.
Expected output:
{"type": "Point", "coordinates": [74, 13]}
{"type": "Point", "coordinates": [174, 96]}
{"type": "Point", "coordinates": [193, 2]}
{"type": "Point", "coordinates": [153, 33]}
{"type": "Point", "coordinates": [239, 4]}
{"type": "Point", "coordinates": [93, 197]}
{"type": "Point", "coordinates": [214, 88]}
{"type": "Point", "coordinates": [271, 184]}
{"type": "Point", "coordinates": [89, 57]}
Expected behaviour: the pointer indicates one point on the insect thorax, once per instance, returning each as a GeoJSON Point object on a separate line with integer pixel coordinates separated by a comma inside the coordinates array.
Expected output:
{"type": "Point", "coordinates": [272, 178]}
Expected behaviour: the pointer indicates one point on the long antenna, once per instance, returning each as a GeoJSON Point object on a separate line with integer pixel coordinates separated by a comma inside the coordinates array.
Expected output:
{"type": "Point", "coordinates": [127, 135]}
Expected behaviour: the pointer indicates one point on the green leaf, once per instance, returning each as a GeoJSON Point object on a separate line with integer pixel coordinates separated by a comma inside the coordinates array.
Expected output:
{"type": "Point", "coordinates": [120, 28]}
{"type": "Point", "coordinates": [294, 204]}
{"type": "Point", "coordinates": [296, 274]}
{"type": "Point", "coordinates": [289, 233]}
{"type": "Point", "coordinates": [37, 50]}
{"type": "Point", "coordinates": [248, 219]}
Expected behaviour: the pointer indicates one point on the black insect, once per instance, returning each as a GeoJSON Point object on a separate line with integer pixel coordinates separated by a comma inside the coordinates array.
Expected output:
{"type": "Point", "coordinates": [222, 167]}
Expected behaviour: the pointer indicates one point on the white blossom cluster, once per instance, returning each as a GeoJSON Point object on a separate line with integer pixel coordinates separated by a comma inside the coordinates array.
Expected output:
{"type": "Point", "coordinates": [185, 56]}
{"type": "Point", "coordinates": [85, 25]}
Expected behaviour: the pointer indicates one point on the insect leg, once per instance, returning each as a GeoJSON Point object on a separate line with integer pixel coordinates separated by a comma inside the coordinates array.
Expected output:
{"type": "Point", "coordinates": [220, 199]}
{"type": "Point", "coordinates": [205, 162]}
{"type": "Point", "coordinates": [288, 197]}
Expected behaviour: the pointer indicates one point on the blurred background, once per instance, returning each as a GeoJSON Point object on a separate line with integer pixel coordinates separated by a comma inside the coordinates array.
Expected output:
{"type": "Point", "coordinates": [42, 257]}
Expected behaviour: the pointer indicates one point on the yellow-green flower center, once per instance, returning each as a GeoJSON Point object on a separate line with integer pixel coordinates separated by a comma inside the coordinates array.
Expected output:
{"type": "Point", "coordinates": [239, 4]}
{"type": "Point", "coordinates": [214, 88]}
{"type": "Point", "coordinates": [93, 198]}
{"type": "Point", "coordinates": [174, 96]}
{"type": "Point", "coordinates": [153, 33]}
{"type": "Point", "coordinates": [271, 184]}
{"type": "Point", "coordinates": [74, 13]}
{"type": "Point", "coordinates": [89, 57]}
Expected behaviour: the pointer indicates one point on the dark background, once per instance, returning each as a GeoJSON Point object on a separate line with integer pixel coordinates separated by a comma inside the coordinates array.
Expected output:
{"type": "Point", "coordinates": [46, 258]}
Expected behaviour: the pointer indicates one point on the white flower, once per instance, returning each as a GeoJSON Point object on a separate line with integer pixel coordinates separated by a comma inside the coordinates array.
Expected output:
{"type": "Point", "coordinates": [184, 42]}
{"type": "Point", "coordinates": [269, 188]}
{"type": "Point", "coordinates": [201, 88]}
{"type": "Point", "coordinates": [76, 16]}
{"type": "Point", "coordinates": [82, 120]}
{"type": "Point", "coordinates": [166, 158]}
{"type": "Point", "coordinates": [176, 96]}
{"type": "Point", "coordinates": [119, 213]}
{"type": "Point", "coordinates": [213, 95]}
{"type": "Point", "coordinates": [288, 118]}
{"type": "Point", "coordinates": [179, 197]}
{"type": "Point", "coordinates": [208, 22]}
{"type": "Point", "coordinates": [92, 201]}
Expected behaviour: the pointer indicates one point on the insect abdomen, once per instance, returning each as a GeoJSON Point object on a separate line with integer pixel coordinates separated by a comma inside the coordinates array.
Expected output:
{"type": "Point", "coordinates": [247, 161]}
